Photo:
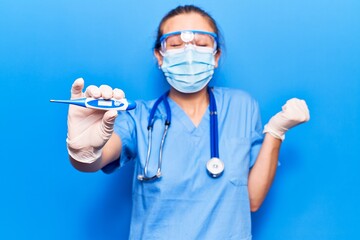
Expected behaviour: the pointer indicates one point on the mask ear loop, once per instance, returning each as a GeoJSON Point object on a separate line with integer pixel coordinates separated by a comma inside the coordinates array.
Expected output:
{"type": "Point", "coordinates": [215, 47]}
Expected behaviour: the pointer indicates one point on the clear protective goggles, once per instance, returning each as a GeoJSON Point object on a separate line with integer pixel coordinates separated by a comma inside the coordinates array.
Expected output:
{"type": "Point", "coordinates": [201, 40]}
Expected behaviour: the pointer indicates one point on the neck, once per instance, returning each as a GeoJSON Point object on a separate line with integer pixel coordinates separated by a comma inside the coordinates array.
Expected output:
{"type": "Point", "coordinates": [193, 104]}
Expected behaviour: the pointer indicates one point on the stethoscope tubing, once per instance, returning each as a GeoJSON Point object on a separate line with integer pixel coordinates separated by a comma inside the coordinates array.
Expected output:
{"type": "Point", "coordinates": [151, 120]}
{"type": "Point", "coordinates": [214, 137]}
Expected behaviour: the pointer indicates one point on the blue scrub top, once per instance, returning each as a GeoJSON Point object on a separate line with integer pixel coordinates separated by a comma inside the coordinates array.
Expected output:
{"type": "Point", "coordinates": [186, 203]}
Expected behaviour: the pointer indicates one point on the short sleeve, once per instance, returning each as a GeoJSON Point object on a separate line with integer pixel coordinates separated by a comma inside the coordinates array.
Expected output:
{"type": "Point", "coordinates": [257, 136]}
{"type": "Point", "coordinates": [125, 128]}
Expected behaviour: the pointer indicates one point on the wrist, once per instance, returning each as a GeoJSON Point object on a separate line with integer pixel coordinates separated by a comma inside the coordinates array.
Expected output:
{"type": "Point", "coordinates": [86, 155]}
{"type": "Point", "coordinates": [276, 133]}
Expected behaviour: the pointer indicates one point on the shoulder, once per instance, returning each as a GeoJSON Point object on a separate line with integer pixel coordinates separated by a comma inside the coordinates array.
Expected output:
{"type": "Point", "coordinates": [127, 121]}
{"type": "Point", "coordinates": [142, 106]}
{"type": "Point", "coordinates": [141, 111]}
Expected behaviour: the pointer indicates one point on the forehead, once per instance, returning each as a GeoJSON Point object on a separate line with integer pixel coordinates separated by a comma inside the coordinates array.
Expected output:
{"type": "Point", "coordinates": [189, 21]}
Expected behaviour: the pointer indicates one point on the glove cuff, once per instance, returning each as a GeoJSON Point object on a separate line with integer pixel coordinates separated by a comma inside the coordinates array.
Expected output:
{"type": "Point", "coordinates": [274, 133]}
{"type": "Point", "coordinates": [88, 155]}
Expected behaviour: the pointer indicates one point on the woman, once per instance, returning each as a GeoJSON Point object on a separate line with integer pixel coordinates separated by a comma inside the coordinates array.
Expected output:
{"type": "Point", "coordinates": [187, 197]}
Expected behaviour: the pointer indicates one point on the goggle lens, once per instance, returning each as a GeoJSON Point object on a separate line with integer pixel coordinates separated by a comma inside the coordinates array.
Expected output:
{"type": "Point", "coordinates": [178, 40]}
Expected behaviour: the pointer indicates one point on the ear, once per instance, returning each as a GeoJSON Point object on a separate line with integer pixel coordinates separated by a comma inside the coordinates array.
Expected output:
{"type": "Point", "coordinates": [158, 56]}
{"type": "Point", "coordinates": [217, 57]}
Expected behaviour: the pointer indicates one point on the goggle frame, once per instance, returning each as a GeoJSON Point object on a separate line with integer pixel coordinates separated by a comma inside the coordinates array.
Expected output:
{"type": "Point", "coordinates": [187, 36]}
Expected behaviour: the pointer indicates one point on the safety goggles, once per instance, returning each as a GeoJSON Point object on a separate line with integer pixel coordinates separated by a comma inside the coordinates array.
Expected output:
{"type": "Point", "coordinates": [178, 40]}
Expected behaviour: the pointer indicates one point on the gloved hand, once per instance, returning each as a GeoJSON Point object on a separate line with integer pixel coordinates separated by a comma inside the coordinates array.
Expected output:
{"type": "Point", "coordinates": [293, 113]}
{"type": "Point", "coordinates": [90, 129]}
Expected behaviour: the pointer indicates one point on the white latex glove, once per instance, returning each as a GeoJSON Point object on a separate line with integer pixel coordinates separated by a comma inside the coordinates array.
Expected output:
{"type": "Point", "coordinates": [293, 113]}
{"type": "Point", "coordinates": [90, 129]}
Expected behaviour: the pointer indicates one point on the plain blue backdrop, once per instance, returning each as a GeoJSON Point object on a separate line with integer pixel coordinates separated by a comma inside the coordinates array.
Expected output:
{"type": "Point", "coordinates": [275, 50]}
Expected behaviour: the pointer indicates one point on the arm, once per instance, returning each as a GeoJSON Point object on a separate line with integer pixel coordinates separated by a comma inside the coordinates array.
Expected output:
{"type": "Point", "coordinates": [262, 173]}
{"type": "Point", "coordinates": [261, 176]}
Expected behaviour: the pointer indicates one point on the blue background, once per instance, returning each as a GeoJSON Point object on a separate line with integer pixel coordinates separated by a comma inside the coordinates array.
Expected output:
{"type": "Point", "coordinates": [275, 50]}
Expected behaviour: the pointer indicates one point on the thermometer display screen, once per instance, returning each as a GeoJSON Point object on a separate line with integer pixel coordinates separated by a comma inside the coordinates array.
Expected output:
{"type": "Point", "coordinates": [104, 103]}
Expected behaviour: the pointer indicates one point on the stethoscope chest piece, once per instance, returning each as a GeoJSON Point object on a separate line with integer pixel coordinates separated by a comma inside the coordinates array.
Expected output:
{"type": "Point", "coordinates": [215, 167]}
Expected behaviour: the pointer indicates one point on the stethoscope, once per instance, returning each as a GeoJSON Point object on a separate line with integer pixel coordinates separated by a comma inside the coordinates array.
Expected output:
{"type": "Point", "coordinates": [215, 167]}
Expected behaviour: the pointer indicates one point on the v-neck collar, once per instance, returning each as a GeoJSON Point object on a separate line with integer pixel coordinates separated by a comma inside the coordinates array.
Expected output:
{"type": "Point", "coordinates": [179, 114]}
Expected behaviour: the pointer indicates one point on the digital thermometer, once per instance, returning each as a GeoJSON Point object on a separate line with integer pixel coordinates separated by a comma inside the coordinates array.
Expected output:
{"type": "Point", "coordinates": [100, 103]}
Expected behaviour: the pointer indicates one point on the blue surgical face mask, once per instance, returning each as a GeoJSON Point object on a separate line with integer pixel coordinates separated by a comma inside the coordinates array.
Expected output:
{"type": "Point", "coordinates": [190, 69]}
